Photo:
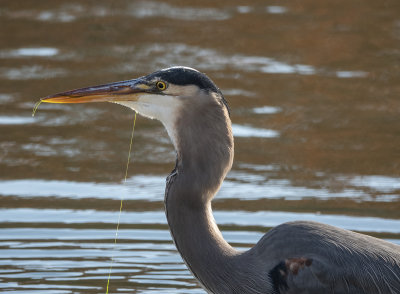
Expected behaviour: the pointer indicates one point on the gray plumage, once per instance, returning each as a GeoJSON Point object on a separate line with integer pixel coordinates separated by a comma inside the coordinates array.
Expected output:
{"type": "Point", "coordinates": [296, 257]}
{"type": "Point", "coordinates": [340, 261]}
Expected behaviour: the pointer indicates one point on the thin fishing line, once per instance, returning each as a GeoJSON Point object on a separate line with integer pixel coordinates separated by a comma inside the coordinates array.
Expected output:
{"type": "Point", "coordinates": [120, 206]}
{"type": "Point", "coordinates": [36, 107]}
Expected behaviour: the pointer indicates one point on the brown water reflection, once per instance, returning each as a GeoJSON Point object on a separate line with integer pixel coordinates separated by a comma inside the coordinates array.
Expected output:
{"type": "Point", "coordinates": [313, 88]}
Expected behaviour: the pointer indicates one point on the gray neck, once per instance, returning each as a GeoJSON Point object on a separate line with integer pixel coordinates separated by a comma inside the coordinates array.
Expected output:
{"type": "Point", "coordinates": [204, 156]}
{"type": "Point", "coordinates": [203, 159]}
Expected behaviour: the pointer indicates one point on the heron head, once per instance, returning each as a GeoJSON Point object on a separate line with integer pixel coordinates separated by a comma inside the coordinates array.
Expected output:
{"type": "Point", "coordinates": [160, 95]}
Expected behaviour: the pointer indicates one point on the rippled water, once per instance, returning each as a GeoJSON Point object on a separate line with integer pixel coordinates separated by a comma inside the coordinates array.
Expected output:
{"type": "Point", "coordinates": [313, 88]}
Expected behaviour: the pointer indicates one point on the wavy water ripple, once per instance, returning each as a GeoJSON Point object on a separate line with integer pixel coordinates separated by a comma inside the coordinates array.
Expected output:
{"type": "Point", "coordinates": [313, 92]}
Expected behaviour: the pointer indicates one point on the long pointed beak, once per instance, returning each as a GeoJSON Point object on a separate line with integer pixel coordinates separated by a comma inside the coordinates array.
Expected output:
{"type": "Point", "coordinates": [118, 91]}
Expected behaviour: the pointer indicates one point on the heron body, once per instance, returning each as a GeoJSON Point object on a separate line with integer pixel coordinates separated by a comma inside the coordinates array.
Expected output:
{"type": "Point", "coordinates": [295, 257]}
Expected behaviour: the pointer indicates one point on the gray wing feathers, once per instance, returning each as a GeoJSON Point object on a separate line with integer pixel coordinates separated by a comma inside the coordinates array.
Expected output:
{"type": "Point", "coordinates": [359, 278]}
{"type": "Point", "coordinates": [310, 257]}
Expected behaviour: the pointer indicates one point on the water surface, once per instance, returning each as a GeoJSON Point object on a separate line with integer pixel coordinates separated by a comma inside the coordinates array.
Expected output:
{"type": "Point", "coordinates": [313, 90]}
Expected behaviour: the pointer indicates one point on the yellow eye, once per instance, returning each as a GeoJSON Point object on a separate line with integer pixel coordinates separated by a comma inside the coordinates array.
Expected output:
{"type": "Point", "coordinates": [161, 86]}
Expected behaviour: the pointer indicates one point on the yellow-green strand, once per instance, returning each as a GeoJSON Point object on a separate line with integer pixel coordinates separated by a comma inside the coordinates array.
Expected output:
{"type": "Point", "coordinates": [36, 107]}
{"type": "Point", "coordinates": [120, 207]}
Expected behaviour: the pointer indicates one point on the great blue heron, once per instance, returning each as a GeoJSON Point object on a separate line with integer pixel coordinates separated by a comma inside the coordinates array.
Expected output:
{"type": "Point", "coordinates": [296, 257]}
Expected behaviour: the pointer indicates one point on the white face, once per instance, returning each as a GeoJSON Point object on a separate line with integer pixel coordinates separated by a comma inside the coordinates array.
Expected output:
{"type": "Point", "coordinates": [162, 108]}
{"type": "Point", "coordinates": [165, 107]}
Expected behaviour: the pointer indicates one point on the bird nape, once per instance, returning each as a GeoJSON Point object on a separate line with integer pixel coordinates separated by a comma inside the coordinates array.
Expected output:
{"type": "Point", "coordinates": [295, 257]}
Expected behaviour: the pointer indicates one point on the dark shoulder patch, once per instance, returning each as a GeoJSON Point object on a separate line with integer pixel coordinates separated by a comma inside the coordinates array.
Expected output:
{"type": "Point", "coordinates": [290, 266]}
{"type": "Point", "coordinates": [296, 264]}
{"type": "Point", "coordinates": [278, 276]}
